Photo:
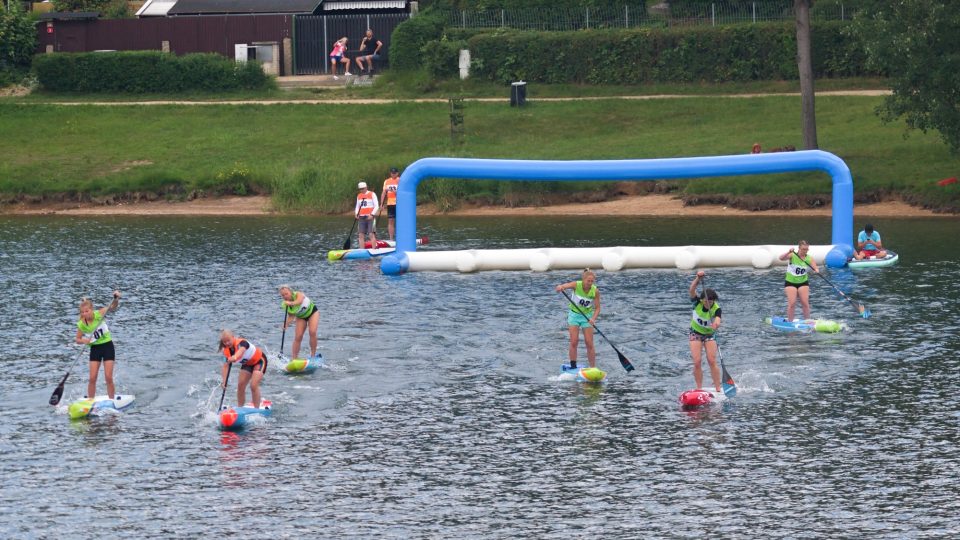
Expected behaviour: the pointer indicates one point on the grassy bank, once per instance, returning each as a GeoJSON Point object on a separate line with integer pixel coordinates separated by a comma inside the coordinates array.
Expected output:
{"type": "Point", "coordinates": [309, 157]}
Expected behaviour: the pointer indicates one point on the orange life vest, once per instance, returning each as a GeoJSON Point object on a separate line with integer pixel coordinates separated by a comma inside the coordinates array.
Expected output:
{"type": "Point", "coordinates": [366, 203]}
{"type": "Point", "coordinates": [391, 184]}
{"type": "Point", "coordinates": [251, 357]}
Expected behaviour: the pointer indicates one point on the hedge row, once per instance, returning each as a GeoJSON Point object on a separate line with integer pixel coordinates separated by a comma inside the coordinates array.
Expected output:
{"type": "Point", "coordinates": [712, 54]}
{"type": "Point", "coordinates": [142, 72]}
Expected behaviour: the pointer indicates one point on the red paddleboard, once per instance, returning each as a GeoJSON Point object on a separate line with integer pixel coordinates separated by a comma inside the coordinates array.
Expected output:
{"type": "Point", "coordinates": [391, 243]}
{"type": "Point", "coordinates": [701, 397]}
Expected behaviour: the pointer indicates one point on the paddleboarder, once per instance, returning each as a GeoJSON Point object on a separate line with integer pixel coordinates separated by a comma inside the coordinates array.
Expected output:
{"type": "Point", "coordinates": [703, 327]}
{"type": "Point", "coordinates": [389, 199]}
{"type": "Point", "coordinates": [583, 311]}
{"type": "Point", "coordinates": [253, 365]}
{"type": "Point", "coordinates": [365, 210]}
{"type": "Point", "coordinates": [796, 284]}
{"type": "Point", "coordinates": [93, 330]}
{"type": "Point", "coordinates": [301, 309]}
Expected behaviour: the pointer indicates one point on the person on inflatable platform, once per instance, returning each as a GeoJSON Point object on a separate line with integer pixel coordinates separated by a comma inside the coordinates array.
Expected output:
{"type": "Point", "coordinates": [703, 331]}
{"type": "Point", "coordinates": [253, 365]}
{"type": "Point", "coordinates": [869, 244]}
{"type": "Point", "coordinates": [364, 211]}
{"type": "Point", "coordinates": [92, 330]}
{"type": "Point", "coordinates": [389, 198]}
{"type": "Point", "coordinates": [797, 281]}
{"type": "Point", "coordinates": [301, 309]}
{"type": "Point", "coordinates": [586, 297]}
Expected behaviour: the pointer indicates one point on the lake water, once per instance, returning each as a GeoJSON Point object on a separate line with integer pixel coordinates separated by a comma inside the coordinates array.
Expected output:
{"type": "Point", "coordinates": [439, 413]}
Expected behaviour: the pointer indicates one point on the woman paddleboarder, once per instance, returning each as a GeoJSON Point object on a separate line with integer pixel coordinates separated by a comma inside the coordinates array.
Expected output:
{"type": "Point", "coordinates": [253, 365]}
{"type": "Point", "coordinates": [584, 310]}
{"type": "Point", "coordinates": [301, 309]}
{"type": "Point", "coordinates": [703, 328]}
{"type": "Point", "coordinates": [796, 284]}
{"type": "Point", "coordinates": [92, 330]}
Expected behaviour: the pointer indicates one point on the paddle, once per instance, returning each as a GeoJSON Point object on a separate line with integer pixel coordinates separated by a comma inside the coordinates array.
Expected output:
{"type": "Point", "coordinates": [623, 359]}
{"type": "Point", "coordinates": [225, 381]}
{"type": "Point", "coordinates": [283, 335]}
{"type": "Point", "coordinates": [346, 243]}
{"type": "Point", "coordinates": [729, 387]}
{"type": "Point", "coordinates": [58, 392]}
{"type": "Point", "coordinates": [864, 312]}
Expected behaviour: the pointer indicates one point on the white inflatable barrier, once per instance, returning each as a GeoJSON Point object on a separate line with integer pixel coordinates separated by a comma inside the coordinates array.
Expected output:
{"type": "Point", "coordinates": [611, 259]}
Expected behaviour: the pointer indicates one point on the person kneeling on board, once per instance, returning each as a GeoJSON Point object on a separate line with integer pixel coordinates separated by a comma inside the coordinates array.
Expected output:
{"type": "Point", "coordinates": [586, 303]}
{"type": "Point", "coordinates": [253, 365]}
{"type": "Point", "coordinates": [703, 328]}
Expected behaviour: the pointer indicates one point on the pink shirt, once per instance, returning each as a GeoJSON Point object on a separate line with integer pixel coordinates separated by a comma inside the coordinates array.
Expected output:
{"type": "Point", "coordinates": [338, 49]}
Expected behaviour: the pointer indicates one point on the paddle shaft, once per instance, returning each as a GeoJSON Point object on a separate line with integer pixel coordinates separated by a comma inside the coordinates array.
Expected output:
{"type": "Point", "coordinates": [860, 307]}
{"type": "Point", "coordinates": [225, 381]}
{"type": "Point", "coordinates": [623, 359]}
{"type": "Point", "coordinates": [58, 392]}
{"type": "Point", "coordinates": [283, 334]}
{"type": "Point", "coordinates": [346, 243]}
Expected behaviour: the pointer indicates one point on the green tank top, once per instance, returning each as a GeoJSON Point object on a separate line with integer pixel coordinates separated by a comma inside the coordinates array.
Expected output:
{"type": "Point", "coordinates": [97, 329]}
{"type": "Point", "coordinates": [702, 318]}
{"type": "Point", "coordinates": [797, 269]}
{"type": "Point", "coordinates": [299, 310]}
{"type": "Point", "coordinates": [584, 299]}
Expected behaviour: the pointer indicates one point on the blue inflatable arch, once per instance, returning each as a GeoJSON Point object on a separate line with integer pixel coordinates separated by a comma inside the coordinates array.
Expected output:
{"type": "Point", "coordinates": [622, 170]}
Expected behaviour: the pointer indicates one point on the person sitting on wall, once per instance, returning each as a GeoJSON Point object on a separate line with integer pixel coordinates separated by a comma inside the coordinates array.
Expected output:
{"type": "Point", "coordinates": [369, 51]}
{"type": "Point", "coordinates": [339, 56]}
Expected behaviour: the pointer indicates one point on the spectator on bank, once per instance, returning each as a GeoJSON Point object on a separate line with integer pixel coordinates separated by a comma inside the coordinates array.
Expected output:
{"type": "Point", "coordinates": [339, 56]}
{"type": "Point", "coordinates": [369, 51]}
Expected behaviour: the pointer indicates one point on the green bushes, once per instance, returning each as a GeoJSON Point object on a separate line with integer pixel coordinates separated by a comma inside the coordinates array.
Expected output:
{"type": "Point", "coordinates": [441, 59]}
{"type": "Point", "coordinates": [18, 40]}
{"type": "Point", "coordinates": [410, 36]}
{"type": "Point", "coordinates": [141, 72]}
{"type": "Point", "coordinates": [712, 54]}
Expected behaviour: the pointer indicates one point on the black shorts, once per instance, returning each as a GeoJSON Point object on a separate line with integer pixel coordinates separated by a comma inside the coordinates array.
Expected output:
{"type": "Point", "coordinates": [796, 285]}
{"type": "Point", "coordinates": [308, 315]}
{"type": "Point", "coordinates": [391, 210]}
{"type": "Point", "coordinates": [103, 352]}
{"type": "Point", "coordinates": [260, 366]}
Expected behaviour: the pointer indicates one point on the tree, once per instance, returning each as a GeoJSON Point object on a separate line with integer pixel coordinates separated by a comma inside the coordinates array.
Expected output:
{"type": "Point", "coordinates": [808, 111]}
{"type": "Point", "coordinates": [18, 42]}
{"type": "Point", "coordinates": [917, 44]}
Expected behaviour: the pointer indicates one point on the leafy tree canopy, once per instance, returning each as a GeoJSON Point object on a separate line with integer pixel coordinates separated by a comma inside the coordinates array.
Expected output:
{"type": "Point", "coordinates": [917, 43]}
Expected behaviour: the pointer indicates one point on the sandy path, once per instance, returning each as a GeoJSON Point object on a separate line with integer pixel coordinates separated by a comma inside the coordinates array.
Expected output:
{"type": "Point", "coordinates": [638, 205]}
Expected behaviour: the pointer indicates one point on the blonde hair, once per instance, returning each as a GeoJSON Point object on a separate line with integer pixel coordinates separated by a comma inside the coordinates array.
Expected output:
{"type": "Point", "coordinates": [588, 272]}
{"type": "Point", "coordinates": [803, 243]}
{"type": "Point", "coordinates": [223, 333]}
{"type": "Point", "coordinates": [84, 301]}
{"type": "Point", "coordinates": [285, 286]}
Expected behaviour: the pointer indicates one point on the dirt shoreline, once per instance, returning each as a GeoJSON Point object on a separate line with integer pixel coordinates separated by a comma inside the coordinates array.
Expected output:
{"type": "Point", "coordinates": [633, 205]}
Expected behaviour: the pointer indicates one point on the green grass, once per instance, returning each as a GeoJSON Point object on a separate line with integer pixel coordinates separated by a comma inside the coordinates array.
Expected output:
{"type": "Point", "coordinates": [311, 156]}
{"type": "Point", "coordinates": [418, 85]}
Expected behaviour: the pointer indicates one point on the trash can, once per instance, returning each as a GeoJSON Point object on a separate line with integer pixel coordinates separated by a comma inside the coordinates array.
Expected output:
{"type": "Point", "coordinates": [518, 94]}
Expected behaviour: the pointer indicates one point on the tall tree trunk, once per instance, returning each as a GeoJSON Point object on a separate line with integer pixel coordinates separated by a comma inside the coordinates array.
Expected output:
{"type": "Point", "coordinates": [805, 65]}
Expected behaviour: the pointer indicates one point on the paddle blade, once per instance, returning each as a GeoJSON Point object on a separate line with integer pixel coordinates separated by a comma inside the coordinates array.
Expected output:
{"type": "Point", "coordinates": [728, 386]}
{"type": "Point", "coordinates": [346, 243]}
{"type": "Point", "coordinates": [57, 394]}
{"type": "Point", "coordinates": [625, 363]}
{"type": "Point", "coordinates": [864, 312]}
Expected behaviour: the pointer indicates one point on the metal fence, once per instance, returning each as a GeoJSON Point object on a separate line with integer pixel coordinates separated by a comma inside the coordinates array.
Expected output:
{"type": "Point", "coordinates": [315, 34]}
{"type": "Point", "coordinates": [679, 14]}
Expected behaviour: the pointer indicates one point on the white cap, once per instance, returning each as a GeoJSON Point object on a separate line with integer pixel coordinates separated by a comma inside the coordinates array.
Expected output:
{"type": "Point", "coordinates": [361, 185]}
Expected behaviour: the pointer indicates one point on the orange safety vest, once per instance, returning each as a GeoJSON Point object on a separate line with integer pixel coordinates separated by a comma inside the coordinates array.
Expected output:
{"type": "Point", "coordinates": [391, 184]}
{"type": "Point", "coordinates": [252, 361]}
{"type": "Point", "coordinates": [366, 203]}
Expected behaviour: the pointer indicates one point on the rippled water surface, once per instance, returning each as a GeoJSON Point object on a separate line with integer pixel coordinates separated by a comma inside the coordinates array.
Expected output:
{"type": "Point", "coordinates": [439, 413]}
